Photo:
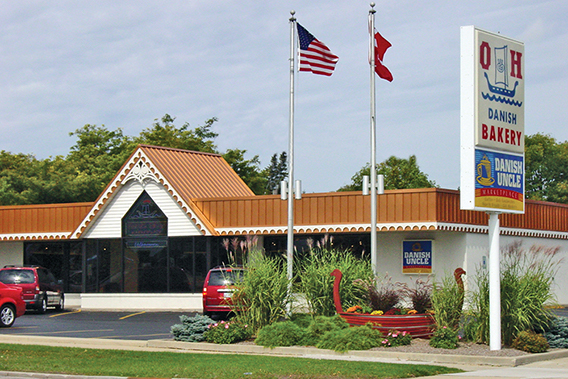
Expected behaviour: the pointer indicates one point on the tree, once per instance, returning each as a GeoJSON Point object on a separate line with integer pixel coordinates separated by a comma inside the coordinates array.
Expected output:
{"type": "Point", "coordinates": [95, 158]}
{"type": "Point", "coordinates": [276, 172]}
{"type": "Point", "coordinates": [165, 133]}
{"type": "Point", "coordinates": [248, 170]}
{"type": "Point", "coordinates": [399, 173]}
{"type": "Point", "coordinates": [546, 168]}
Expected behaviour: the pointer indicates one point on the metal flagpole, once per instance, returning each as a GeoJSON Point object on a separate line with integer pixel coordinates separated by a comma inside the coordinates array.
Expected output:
{"type": "Point", "coordinates": [373, 173]}
{"type": "Point", "coordinates": [290, 242]}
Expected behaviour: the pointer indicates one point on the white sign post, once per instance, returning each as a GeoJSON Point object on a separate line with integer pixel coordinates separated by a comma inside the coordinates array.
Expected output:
{"type": "Point", "coordinates": [492, 141]}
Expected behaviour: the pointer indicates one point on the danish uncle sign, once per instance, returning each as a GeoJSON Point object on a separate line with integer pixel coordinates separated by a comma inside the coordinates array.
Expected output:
{"type": "Point", "coordinates": [417, 257]}
{"type": "Point", "coordinates": [492, 122]}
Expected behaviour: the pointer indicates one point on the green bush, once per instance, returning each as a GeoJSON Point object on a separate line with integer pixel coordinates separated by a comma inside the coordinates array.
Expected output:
{"type": "Point", "coordinates": [530, 342]}
{"type": "Point", "coordinates": [396, 338]}
{"type": "Point", "coordinates": [445, 338]}
{"type": "Point", "coordinates": [262, 297]}
{"type": "Point", "coordinates": [316, 283]}
{"type": "Point", "coordinates": [447, 302]}
{"type": "Point", "coordinates": [226, 332]}
{"type": "Point", "coordinates": [319, 326]}
{"type": "Point", "coordinates": [191, 329]}
{"type": "Point", "coordinates": [526, 287]}
{"type": "Point", "coordinates": [557, 333]}
{"type": "Point", "coordinates": [356, 338]}
{"type": "Point", "coordinates": [285, 333]}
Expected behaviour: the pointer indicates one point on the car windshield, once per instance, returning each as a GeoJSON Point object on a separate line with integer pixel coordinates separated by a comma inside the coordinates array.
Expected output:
{"type": "Point", "coordinates": [17, 276]}
{"type": "Point", "coordinates": [225, 278]}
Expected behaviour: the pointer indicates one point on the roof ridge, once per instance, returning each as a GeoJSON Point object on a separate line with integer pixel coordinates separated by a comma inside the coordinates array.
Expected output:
{"type": "Point", "coordinates": [177, 149]}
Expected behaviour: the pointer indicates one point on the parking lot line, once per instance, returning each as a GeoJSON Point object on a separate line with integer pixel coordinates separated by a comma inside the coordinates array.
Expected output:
{"type": "Point", "coordinates": [133, 314]}
{"type": "Point", "coordinates": [65, 313]}
{"type": "Point", "coordinates": [72, 331]}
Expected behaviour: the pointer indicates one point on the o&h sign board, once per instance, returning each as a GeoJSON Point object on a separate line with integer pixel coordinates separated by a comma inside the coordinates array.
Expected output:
{"type": "Point", "coordinates": [492, 122]}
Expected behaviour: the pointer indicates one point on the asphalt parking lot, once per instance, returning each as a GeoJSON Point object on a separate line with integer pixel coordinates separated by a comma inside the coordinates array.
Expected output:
{"type": "Point", "coordinates": [90, 324]}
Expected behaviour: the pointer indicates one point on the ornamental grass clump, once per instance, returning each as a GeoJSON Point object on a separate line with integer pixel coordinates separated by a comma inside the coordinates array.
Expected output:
{"type": "Point", "coordinates": [358, 338]}
{"type": "Point", "coordinates": [384, 297]}
{"type": "Point", "coordinates": [419, 294]}
{"type": "Point", "coordinates": [191, 329]}
{"type": "Point", "coordinates": [262, 297]}
{"type": "Point", "coordinates": [226, 332]}
{"type": "Point", "coordinates": [447, 302]}
{"type": "Point", "coordinates": [285, 333]}
{"type": "Point", "coordinates": [526, 288]}
{"type": "Point", "coordinates": [316, 283]}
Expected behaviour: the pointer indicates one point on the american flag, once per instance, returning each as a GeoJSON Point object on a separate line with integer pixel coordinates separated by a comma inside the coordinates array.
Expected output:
{"type": "Point", "coordinates": [315, 56]}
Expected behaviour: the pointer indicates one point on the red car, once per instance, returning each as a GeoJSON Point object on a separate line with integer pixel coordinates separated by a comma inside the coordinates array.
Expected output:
{"type": "Point", "coordinates": [12, 304]}
{"type": "Point", "coordinates": [218, 289]}
{"type": "Point", "coordinates": [39, 287]}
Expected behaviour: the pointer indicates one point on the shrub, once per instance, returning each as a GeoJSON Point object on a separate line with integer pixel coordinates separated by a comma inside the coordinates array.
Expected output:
{"type": "Point", "coordinates": [319, 326]}
{"type": "Point", "coordinates": [316, 283]}
{"type": "Point", "coordinates": [530, 342]}
{"type": "Point", "coordinates": [526, 287]}
{"type": "Point", "coordinates": [557, 333]}
{"type": "Point", "coordinates": [420, 294]}
{"type": "Point", "coordinates": [447, 302]}
{"type": "Point", "coordinates": [191, 329]}
{"type": "Point", "coordinates": [445, 338]}
{"type": "Point", "coordinates": [262, 297]}
{"type": "Point", "coordinates": [284, 333]}
{"type": "Point", "coordinates": [396, 338]}
{"type": "Point", "coordinates": [356, 338]}
{"type": "Point", "coordinates": [226, 332]}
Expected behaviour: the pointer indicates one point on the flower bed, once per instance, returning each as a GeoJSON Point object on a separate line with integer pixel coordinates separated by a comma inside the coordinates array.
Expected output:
{"type": "Point", "coordinates": [418, 325]}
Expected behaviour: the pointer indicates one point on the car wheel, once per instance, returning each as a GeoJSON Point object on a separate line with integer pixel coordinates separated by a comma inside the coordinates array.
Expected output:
{"type": "Point", "coordinates": [7, 315]}
{"type": "Point", "coordinates": [61, 305]}
{"type": "Point", "coordinates": [43, 305]}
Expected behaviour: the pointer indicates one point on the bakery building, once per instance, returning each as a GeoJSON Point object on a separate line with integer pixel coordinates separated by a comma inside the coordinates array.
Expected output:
{"type": "Point", "coordinates": [165, 219]}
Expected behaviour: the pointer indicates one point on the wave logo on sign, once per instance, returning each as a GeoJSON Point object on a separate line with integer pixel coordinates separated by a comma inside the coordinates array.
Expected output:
{"type": "Point", "coordinates": [500, 90]}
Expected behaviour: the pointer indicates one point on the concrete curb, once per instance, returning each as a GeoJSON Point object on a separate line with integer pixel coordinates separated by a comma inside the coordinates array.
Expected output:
{"type": "Point", "coordinates": [387, 356]}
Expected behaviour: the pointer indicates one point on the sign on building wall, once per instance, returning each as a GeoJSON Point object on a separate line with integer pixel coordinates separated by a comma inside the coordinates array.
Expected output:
{"type": "Point", "coordinates": [492, 122]}
{"type": "Point", "coordinates": [417, 257]}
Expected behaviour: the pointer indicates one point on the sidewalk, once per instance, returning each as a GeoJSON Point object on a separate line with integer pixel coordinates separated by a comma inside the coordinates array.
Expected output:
{"type": "Point", "coordinates": [546, 365]}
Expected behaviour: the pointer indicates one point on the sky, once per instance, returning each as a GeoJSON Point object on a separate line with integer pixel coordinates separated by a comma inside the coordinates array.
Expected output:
{"type": "Point", "coordinates": [124, 64]}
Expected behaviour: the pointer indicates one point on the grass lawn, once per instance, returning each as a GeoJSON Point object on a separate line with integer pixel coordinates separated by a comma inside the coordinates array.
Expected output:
{"type": "Point", "coordinates": [80, 361]}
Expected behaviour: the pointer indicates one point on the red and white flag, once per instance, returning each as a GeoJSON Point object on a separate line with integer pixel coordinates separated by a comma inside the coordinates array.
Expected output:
{"type": "Point", "coordinates": [381, 46]}
{"type": "Point", "coordinates": [315, 56]}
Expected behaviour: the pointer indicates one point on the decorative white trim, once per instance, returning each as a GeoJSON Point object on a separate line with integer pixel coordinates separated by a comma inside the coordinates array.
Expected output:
{"type": "Point", "coordinates": [35, 236]}
{"type": "Point", "coordinates": [140, 172]}
{"type": "Point", "coordinates": [391, 227]}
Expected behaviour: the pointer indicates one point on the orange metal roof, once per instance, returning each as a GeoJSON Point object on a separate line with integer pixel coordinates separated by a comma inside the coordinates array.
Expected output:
{"type": "Point", "coordinates": [350, 212]}
{"type": "Point", "coordinates": [47, 221]}
{"type": "Point", "coordinates": [195, 174]}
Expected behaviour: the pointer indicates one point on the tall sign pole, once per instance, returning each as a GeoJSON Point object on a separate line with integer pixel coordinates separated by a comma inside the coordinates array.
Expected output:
{"type": "Point", "coordinates": [373, 173]}
{"type": "Point", "coordinates": [492, 142]}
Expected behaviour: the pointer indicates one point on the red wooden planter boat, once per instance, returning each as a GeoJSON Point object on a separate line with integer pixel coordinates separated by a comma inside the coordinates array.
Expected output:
{"type": "Point", "coordinates": [418, 325]}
